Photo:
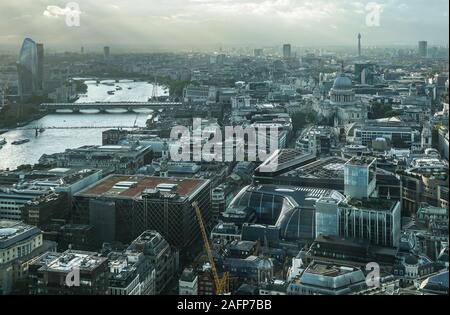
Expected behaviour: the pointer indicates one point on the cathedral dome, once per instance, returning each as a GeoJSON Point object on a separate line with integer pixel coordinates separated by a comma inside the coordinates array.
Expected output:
{"type": "Point", "coordinates": [342, 93]}
{"type": "Point", "coordinates": [342, 82]}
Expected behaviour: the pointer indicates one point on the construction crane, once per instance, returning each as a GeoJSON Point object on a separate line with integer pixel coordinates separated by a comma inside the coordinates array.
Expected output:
{"type": "Point", "coordinates": [221, 284]}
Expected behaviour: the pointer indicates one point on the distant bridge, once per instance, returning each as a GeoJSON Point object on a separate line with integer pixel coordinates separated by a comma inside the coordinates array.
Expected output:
{"type": "Point", "coordinates": [104, 106]}
{"type": "Point", "coordinates": [76, 127]}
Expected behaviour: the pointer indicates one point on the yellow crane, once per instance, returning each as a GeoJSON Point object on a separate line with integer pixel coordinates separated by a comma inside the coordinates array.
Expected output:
{"type": "Point", "coordinates": [221, 284]}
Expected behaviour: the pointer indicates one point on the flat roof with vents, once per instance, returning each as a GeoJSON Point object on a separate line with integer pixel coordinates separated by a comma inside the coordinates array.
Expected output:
{"type": "Point", "coordinates": [122, 186]}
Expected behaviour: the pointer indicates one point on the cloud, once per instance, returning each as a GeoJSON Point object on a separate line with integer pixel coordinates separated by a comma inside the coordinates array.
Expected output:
{"type": "Point", "coordinates": [56, 11]}
{"type": "Point", "coordinates": [194, 23]}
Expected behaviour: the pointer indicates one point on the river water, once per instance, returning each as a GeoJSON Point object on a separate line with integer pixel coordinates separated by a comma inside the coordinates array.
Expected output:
{"type": "Point", "coordinates": [58, 140]}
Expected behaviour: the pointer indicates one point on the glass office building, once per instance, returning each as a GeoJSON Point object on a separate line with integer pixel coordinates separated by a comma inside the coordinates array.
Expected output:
{"type": "Point", "coordinates": [291, 209]}
{"type": "Point", "coordinates": [360, 178]}
{"type": "Point", "coordinates": [28, 70]}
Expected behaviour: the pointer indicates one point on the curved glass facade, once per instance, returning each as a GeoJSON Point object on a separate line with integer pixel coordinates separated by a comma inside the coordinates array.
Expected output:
{"type": "Point", "coordinates": [291, 209]}
{"type": "Point", "coordinates": [266, 205]}
{"type": "Point", "coordinates": [297, 224]}
{"type": "Point", "coordinates": [27, 67]}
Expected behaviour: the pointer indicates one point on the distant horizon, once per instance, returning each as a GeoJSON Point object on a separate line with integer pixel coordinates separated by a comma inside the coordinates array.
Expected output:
{"type": "Point", "coordinates": [120, 49]}
{"type": "Point", "coordinates": [177, 25]}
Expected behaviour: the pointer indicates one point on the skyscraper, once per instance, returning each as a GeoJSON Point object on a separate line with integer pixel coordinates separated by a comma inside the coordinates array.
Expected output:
{"type": "Point", "coordinates": [287, 51]}
{"type": "Point", "coordinates": [27, 68]}
{"type": "Point", "coordinates": [106, 52]}
{"type": "Point", "coordinates": [40, 67]}
{"type": "Point", "coordinates": [423, 49]}
{"type": "Point", "coordinates": [359, 45]}
{"type": "Point", "coordinates": [258, 52]}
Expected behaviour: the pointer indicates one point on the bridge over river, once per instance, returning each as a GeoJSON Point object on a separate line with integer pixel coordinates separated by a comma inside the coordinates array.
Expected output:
{"type": "Point", "coordinates": [104, 106]}
{"type": "Point", "coordinates": [43, 128]}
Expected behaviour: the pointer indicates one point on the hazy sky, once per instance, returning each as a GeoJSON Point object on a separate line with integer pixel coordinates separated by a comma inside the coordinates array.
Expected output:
{"type": "Point", "coordinates": [168, 24]}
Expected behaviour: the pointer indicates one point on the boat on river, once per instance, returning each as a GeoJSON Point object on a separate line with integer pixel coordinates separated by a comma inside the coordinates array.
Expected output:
{"type": "Point", "coordinates": [21, 141]}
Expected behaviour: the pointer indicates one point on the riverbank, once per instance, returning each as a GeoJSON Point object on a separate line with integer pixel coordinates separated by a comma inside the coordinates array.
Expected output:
{"type": "Point", "coordinates": [13, 116]}
{"type": "Point", "coordinates": [55, 140]}
{"type": "Point", "coordinates": [21, 123]}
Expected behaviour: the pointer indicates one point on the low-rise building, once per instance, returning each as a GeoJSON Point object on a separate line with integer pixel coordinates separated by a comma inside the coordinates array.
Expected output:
{"type": "Point", "coordinates": [19, 244]}
{"type": "Point", "coordinates": [188, 283]}
{"type": "Point", "coordinates": [321, 278]}
{"type": "Point", "coordinates": [69, 273]}
{"type": "Point", "coordinates": [130, 274]}
{"type": "Point", "coordinates": [161, 255]}
{"type": "Point", "coordinates": [120, 159]}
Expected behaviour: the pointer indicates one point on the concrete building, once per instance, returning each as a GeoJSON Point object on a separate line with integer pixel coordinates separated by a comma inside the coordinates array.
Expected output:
{"type": "Point", "coordinates": [69, 273]}
{"type": "Point", "coordinates": [287, 51]}
{"type": "Point", "coordinates": [130, 274]}
{"type": "Point", "coordinates": [399, 136]}
{"type": "Point", "coordinates": [321, 278]}
{"type": "Point", "coordinates": [351, 252]}
{"type": "Point", "coordinates": [250, 270]}
{"type": "Point", "coordinates": [410, 268]}
{"type": "Point", "coordinates": [106, 52]}
{"type": "Point", "coordinates": [40, 195]}
{"type": "Point", "coordinates": [19, 244]}
{"type": "Point", "coordinates": [188, 283]}
{"type": "Point", "coordinates": [200, 94]}
{"type": "Point", "coordinates": [221, 198]}
{"type": "Point", "coordinates": [161, 255]}
{"type": "Point", "coordinates": [119, 159]}
{"type": "Point", "coordinates": [14, 200]}
{"type": "Point", "coordinates": [274, 287]}
{"type": "Point", "coordinates": [423, 49]}
{"type": "Point", "coordinates": [424, 181]}
{"type": "Point", "coordinates": [120, 208]}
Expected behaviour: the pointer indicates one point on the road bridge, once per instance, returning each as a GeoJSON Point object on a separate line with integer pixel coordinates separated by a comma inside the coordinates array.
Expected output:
{"type": "Point", "coordinates": [104, 106]}
{"type": "Point", "coordinates": [74, 127]}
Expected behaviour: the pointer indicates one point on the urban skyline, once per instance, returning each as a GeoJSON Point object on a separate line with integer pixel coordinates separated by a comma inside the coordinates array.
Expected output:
{"type": "Point", "coordinates": [311, 160]}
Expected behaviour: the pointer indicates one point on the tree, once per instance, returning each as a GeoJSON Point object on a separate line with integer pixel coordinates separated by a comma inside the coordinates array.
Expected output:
{"type": "Point", "coordinates": [380, 110]}
{"type": "Point", "coordinates": [301, 119]}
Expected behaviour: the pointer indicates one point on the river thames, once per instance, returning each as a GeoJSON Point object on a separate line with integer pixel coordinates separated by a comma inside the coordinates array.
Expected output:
{"type": "Point", "coordinates": [58, 140]}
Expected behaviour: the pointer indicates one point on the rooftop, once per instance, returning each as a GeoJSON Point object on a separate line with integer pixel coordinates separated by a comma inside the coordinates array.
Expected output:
{"type": "Point", "coordinates": [372, 203]}
{"type": "Point", "coordinates": [436, 283]}
{"type": "Point", "coordinates": [332, 167]}
{"type": "Point", "coordinates": [302, 196]}
{"type": "Point", "coordinates": [50, 177]}
{"type": "Point", "coordinates": [121, 186]}
{"type": "Point", "coordinates": [149, 243]}
{"type": "Point", "coordinates": [69, 260]}
{"type": "Point", "coordinates": [331, 276]}
{"type": "Point", "coordinates": [188, 275]}
{"type": "Point", "coordinates": [12, 232]}
{"type": "Point", "coordinates": [328, 270]}
{"type": "Point", "coordinates": [226, 228]}
{"type": "Point", "coordinates": [284, 159]}
{"type": "Point", "coordinates": [361, 161]}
